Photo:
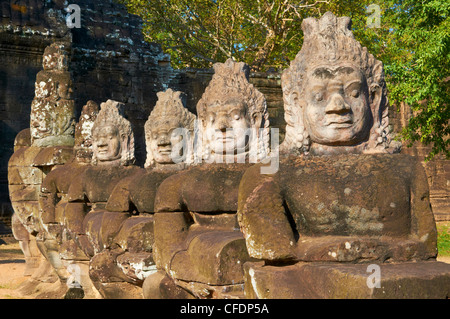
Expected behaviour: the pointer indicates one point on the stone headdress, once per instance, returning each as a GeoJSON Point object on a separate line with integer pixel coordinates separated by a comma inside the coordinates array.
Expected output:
{"type": "Point", "coordinates": [52, 116]}
{"type": "Point", "coordinates": [83, 132]}
{"type": "Point", "coordinates": [330, 40]}
{"type": "Point", "coordinates": [232, 79]}
{"type": "Point", "coordinates": [59, 52]}
{"type": "Point", "coordinates": [170, 111]}
{"type": "Point", "coordinates": [112, 114]}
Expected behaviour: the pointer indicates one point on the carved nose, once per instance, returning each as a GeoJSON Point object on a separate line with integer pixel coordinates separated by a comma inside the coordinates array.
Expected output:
{"type": "Point", "coordinates": [337, 105]}
{"type": "Point", "coordinates": [101, 142]}
{"type": "Point", "coordinates": [163, 140]}
{"type": "Point", "coordinates": [222, 125]}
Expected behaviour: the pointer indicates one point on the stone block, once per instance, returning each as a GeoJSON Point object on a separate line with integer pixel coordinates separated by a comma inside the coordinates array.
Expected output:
{"type": "Point", "coordinates": [51, 156]}
{"type": "Point", "coordinates": [28, 214]}
{"type": "Point", "coordinates": [136, 234]}
{"type": "Point", "coordinates": [410, 280]}
{"type": "Point", "coordinates": [24, 193]}
{"type": "Point", "coordinates": [101, 227]}
{"type": "Point", "coordinates": [24, 175]}
{"type": "Point", "coordinates": [137, 266]}
{"type": "Point", "coordinates": [214, 257]}
{"type": "Point", "coordinates": [69, 250]}
{"type": "Point", "coordinates": [24, 156]}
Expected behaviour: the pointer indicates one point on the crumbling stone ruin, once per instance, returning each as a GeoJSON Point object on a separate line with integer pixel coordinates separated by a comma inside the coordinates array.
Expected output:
{"type": "Point", "coordinates": [53, 109]}
{"type": "Point", "coordinates": [197, 217]}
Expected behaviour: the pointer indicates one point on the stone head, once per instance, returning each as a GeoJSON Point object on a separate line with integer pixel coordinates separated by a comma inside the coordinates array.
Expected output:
{"type": "Point", "coordinates": [112, 136]}
{"type": "Point", "coordinates": [55, 57]}
{"type": "Point", "coordinates": [65, 90]}
{"type": "Point", "coordinates": [52, 123]}
{"type": "Point", "coordinates": [169, 124]}
{"type": "Point", "coordinates": [229, 109]}
{"type": "Point", "coordinates": [83, 132]}
{"type": "Point", "coordinates": [41, 124]}
{"type": "Point", "coordinates": [334, 93]}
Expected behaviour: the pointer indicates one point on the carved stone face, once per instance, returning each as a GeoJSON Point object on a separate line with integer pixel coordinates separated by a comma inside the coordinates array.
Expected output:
{"type": "Point", "coordinates": [41, 125]}
{"type": "Point", "coordinates": [226, 126]}
{"type": "Point", "coordinates": [336, 107]}
{"type": "Point", "coordinates": [65, 90]}
{"type": "Point", "coordinates": [50, 60]}
{"type": "Point", "coordinates": [107, 144]}
{"type": "Point", "coordinates": [43, 89]}
{"type": "Point", "coordinates": [162, 141]}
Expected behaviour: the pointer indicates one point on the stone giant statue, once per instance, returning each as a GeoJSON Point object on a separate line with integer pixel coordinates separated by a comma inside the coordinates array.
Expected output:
{"type": "Point", "coordinates": [199, 250]}
{"type": "Point", "coordinates": [63, 252]}
{"type": "Point", "coordinates": [339, 196]}
{"type": "Point", "coordinates": [128, 252]}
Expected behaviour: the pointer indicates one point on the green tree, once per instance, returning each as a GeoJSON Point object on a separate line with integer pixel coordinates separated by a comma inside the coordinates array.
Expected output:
{"type": "Point", "coordinates": [412, 40]}
{"type": "Point", "coordinates": [418, 69]}
{"type": "Point", "coordinates": [198, 33]}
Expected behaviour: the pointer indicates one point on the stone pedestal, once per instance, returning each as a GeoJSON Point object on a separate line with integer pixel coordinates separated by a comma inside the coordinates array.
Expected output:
{"type": "Point", "coordinates": [409, 280]}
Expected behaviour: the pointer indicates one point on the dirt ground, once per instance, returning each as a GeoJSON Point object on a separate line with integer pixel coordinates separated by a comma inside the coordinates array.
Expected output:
{"type": "Point", "coordinates": [12, 266]}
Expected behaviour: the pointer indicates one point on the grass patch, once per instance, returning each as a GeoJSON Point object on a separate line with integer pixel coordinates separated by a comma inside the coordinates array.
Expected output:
{"type": "Point", "coordinates": [443, 240]}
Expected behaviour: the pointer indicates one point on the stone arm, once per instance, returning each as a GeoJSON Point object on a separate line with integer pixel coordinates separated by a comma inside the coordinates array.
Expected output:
{"type": "Point", "coordinates": [423, 225]}
{"type": "Point", "coordinates": [119, 200]}
{"type": "Point", "coordinates": [171, 223]}
{"type": "Point", "coordinates": [77, 207]}
{"type": "Point", "coordinates": [263, 219]}
{"type": "Point", "coordinates": [48, 199]}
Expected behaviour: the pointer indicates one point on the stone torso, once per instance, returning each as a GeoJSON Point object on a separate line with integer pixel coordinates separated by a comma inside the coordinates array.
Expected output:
{"type": "Point", "coordinates": [338, 208]}
{"type": "Point", "coordinates": [143, 190]}
{"type": "Point", "coordinates": [348, 195]}
{"type": "Point", "coordinates": [97, 183]}
{"type": "Point", "coordinates": [202, 189]}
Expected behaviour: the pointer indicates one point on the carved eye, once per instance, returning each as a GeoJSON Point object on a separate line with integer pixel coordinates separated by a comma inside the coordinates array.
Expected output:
{"type": "Point", "coordinates": [319, 97]}
{"type": "Point", "coordinates": [235, 115]}
{"type": "Point", "coordinates": [355, 93]}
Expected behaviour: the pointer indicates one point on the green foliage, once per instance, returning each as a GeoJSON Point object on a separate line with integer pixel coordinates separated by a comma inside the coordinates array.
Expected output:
{"type": "Point", "coordinates": [443, 240]}
{"type": "Point", "coordinates": [418, 69]}
{"type": "Point", "coordinates": [412, 40]}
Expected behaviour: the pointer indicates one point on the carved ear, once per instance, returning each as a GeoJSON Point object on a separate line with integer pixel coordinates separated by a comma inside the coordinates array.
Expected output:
{"type": "Point", "coordinates": [295, 96]}
{"type": "Point", "coordinates": [376, 94]}
{"type": "Point", "coordinates": [256, 119]}
{"type": "Point", "coordinates": [376, 90]}
{"type": "Point", "coordinates": [297, 99]}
